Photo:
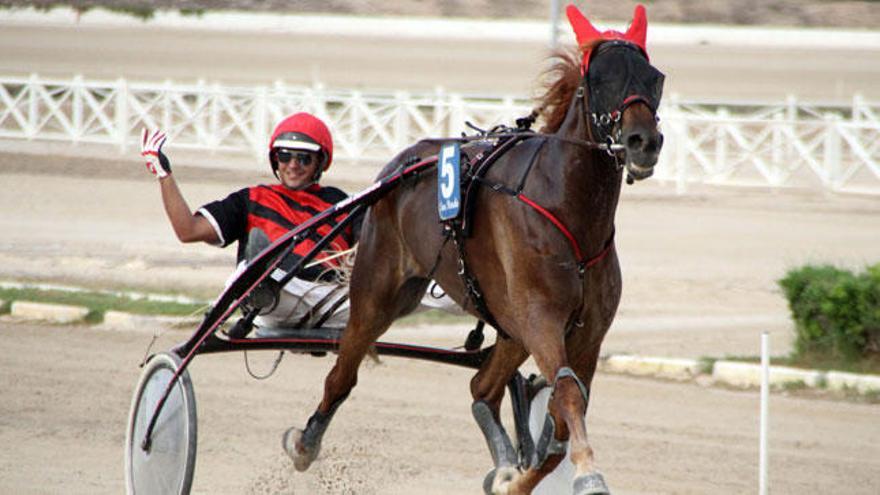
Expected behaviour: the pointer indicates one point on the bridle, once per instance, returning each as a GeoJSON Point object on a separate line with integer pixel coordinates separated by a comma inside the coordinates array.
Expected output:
{"type": "Point", "coordinates": [605, 126]}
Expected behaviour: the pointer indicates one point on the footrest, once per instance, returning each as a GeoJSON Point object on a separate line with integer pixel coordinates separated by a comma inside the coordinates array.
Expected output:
{"type": "Point", "coordinates": [298, 333]}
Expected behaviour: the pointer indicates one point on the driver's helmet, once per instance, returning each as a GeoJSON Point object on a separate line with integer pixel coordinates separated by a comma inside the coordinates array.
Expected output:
{"type": "Point", "coordinates": [302, 131]}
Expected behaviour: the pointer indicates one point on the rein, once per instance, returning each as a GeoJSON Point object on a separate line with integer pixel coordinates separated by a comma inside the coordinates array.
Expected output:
{"type": "Point", "coordinates": [608, 146]}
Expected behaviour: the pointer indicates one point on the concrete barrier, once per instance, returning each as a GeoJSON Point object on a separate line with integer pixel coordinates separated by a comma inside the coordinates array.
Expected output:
{"type": "Point", "coordinates": [838, 380]}
{"type": "Point", "coordinates": [737, 374]}
{"type": "Point", "coordinates": [678, 369]}
{"type": "Point", "coordinates": [749, 375]}
{"type": "Point", "coordinates": [782, 375]}
{"type": "Point", "coordinates": [56, 313]}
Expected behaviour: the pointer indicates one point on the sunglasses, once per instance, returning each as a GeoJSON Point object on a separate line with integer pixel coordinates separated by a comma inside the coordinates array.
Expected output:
{"type": "Point", "coordinates": [302, 158]}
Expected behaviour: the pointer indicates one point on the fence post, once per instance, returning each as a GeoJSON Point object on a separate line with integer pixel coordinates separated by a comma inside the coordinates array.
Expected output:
{"type": "Point", "coordinates": [76, 114]}
{"type": "Point", "coordinates": [33, 107]}
{"type": "Point", "coordinates": [456, 114]}
{"type": "Point", "coordinates": [259, 122]}
{"type": "Point", "coordinates": [858, 103]}
{"type": "Point", "coordinates": [167, 115]}
{"type": "Point", "coordinates": [440, 122]}
{"type": "Point", "coordinates": [401, 120]}
{"type": "Point", "coordinates": [791, 108]}
{"type": "Point", "coordinates": [357, 126]}
{"type": "Point", "coordinates": [678, 136]}
{"type": "Point", "coordinates": [121, 114]}
{"type": "Point", "coordinates": [778, 151]}
{"type": "Point", "coordinates": [721, 142]}
{"type": "Point", "coordinates": [832, 152]}
{"type": "Point", "coordinates": [214, 117]}
{"type": "Point", "coordinates": [204, 133]}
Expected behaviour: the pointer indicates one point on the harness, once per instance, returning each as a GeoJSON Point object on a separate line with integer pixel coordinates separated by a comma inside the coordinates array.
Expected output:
{"type": "Point", "coordinates": [502, 140]}
{"type": "Point", "coordinates": [609, 101]}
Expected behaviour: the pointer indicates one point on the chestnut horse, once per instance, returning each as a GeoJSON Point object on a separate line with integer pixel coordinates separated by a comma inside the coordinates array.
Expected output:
{"type": "Point", "coordinates": [544, 256]}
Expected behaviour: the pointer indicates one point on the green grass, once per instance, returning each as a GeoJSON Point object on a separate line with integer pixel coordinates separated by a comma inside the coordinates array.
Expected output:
{"type": "Point", "coordinates": [99, 303]}
{"type": "Point", "coordinates": [706, 365]}
{"type": "Point", "coordinates": [795, 385]}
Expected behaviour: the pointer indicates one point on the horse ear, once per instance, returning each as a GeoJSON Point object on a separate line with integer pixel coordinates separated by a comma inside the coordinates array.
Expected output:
{"type": "Point", "coordinates": [583, 29]}
{"type": "Point", "coordinates": [638, 30]}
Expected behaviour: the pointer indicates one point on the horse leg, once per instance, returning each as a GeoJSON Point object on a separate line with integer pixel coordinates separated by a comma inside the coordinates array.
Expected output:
{"type": "Point", "coordinates": [584, 363]}
{"type": "Point", "coordinates": [564, 421]}
{"type": "Point", "coordinates": [382, 288]}
{"type": "Point", "coordinates": [487, 389]}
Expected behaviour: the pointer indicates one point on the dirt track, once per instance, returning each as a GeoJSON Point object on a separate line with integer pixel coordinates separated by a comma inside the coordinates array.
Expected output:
{"type": "Point", "coordinates": [699, 280]}
{"type": "Point", "coordinates": [699, 271]}
{"type": "Point", "coordinates": [406, 429]}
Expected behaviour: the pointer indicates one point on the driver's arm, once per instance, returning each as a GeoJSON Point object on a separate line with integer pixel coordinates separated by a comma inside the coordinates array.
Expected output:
{"type": "Point", "coordinates": [187, 227]}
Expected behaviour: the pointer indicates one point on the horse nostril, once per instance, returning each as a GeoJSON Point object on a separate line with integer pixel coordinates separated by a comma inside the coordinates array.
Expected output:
{"type": "Point", "coordinates": [634, 142]}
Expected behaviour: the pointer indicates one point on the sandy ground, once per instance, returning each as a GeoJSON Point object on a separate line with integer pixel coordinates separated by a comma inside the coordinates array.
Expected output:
{"type": "Point", "coordinates": [699, 270]}
{"type": "Point", "coordinates": [709, 70]}
{"type": "Point", "coordinates": [699, 280]}
{"type": "Point", "coordinates": [406, 429]}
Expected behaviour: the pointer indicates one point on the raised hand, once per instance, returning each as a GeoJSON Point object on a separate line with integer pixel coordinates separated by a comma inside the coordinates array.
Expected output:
{"type": "Point", "coordinates": [151, 149]}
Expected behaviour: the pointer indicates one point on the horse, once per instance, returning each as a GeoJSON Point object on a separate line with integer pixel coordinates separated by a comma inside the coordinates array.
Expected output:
{"type": "Point", "coordinates": [543, 255]}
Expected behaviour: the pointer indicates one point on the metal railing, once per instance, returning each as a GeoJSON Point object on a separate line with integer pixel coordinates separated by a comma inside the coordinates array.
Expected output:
{"type": "Point", "coordinates": [790, 144]}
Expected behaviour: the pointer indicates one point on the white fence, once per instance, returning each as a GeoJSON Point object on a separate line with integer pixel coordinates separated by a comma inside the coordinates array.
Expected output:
{"type": "Point", "coordinates": [784, 145]}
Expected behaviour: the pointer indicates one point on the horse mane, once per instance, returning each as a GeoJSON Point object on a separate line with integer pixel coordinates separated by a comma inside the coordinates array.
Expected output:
{"type": "Point", "coordinates": [560, 81]}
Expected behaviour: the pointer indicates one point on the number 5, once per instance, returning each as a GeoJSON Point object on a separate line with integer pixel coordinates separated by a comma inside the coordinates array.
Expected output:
{"type": "Point", "coordinates": [447, 173]}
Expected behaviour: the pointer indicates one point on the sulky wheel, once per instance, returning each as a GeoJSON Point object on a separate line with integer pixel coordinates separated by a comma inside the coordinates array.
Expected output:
{"type": "Point", "coordinates": [166, 466]}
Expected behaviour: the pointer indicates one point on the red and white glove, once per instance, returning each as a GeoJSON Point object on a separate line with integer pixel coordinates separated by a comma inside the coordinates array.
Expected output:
{"type": "Point", "coordinates": [151, 149]}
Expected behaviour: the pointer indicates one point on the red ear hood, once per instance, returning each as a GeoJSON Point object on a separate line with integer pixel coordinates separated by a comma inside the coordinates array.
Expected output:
{"type": "Point", "coordinates": [586, 33]}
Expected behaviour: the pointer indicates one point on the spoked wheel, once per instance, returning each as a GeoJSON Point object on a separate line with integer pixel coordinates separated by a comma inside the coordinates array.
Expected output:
{"type": "Point", "coordinates": [167, 465]}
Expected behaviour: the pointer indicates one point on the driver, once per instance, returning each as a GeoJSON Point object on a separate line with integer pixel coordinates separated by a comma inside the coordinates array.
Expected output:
{"type": "Point", "coordinates": [300, 151]}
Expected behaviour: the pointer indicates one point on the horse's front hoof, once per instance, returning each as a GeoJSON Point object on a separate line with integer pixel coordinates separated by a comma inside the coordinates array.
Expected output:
{"type": "Point", "coordinates": [302, 457]}
{"type": "Point", "coordinates": [590, 484]}
{"type": "Point", "coordinates": [498, 480]}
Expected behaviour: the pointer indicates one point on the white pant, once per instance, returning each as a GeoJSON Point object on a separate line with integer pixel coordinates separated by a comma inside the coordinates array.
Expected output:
{"type": "Point", "coordinates": [304, 303]}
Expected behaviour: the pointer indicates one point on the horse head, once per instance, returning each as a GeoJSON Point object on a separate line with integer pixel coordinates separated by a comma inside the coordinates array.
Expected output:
{"type": "Point", "coordinates": [622, 91]}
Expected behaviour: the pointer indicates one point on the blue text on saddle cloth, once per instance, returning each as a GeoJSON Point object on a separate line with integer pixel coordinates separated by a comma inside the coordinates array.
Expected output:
{"type": "Point", "coordinates": [448, 189]}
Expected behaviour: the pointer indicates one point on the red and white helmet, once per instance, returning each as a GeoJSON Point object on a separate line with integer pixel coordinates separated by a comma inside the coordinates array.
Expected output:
{"type": "Point", "coordinates": [302, 131]}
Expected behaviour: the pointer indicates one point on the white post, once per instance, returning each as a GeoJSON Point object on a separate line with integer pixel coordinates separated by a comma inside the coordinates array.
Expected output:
{"type": "Point", "coordinates": [721, 170]}
{"type": "Point", "coordinates": [76, 112]}
{"type": "Point", "coordinates": [832, 152]}
{"type": "Point", "coordinates": [858, 102]}
{"type": "Point", "coordinates": [554, 23]}
{"type": "Point", "coordinates": [121, 112]}
{"type": "Point", "coordinates": [765, 396]}
{"type": "Point", "coordinates": [33, 107]}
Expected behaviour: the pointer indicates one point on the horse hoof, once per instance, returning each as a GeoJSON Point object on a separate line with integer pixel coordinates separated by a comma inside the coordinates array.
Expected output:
{"type": "Point", "coordinates": [302, 457]}
{"type": "Point", "coordinates": [590, 484]}
{"type": "Point", "coordinates": [498, 480]}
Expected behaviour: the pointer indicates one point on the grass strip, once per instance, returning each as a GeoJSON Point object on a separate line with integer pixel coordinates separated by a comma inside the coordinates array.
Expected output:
{"type": "Point", "coordinates": [99, 303]}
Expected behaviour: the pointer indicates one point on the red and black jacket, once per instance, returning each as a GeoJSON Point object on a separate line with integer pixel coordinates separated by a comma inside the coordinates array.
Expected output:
{"type": "Point", "coordinates": [275, 210]}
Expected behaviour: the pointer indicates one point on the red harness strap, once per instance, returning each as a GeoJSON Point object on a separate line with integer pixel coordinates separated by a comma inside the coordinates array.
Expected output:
{"type": "Point", "coordinates": [583, 264]}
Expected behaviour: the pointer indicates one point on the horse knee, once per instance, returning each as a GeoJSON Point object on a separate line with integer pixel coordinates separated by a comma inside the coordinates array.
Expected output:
{"type": "Point", "coordinates": [569, 396]}
{"type": "Point", "coordinates": [565, 398]}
